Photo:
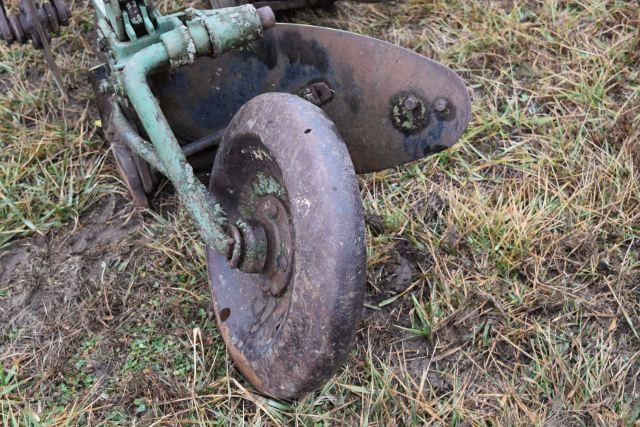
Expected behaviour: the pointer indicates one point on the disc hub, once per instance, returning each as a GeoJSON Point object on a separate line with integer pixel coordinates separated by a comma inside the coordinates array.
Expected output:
{"type": "Point", "coordinates": [273, 214]}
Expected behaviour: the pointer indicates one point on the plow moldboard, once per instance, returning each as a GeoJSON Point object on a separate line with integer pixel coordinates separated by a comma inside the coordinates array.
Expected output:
{"type": "Point", "coordinates": [370, 77]}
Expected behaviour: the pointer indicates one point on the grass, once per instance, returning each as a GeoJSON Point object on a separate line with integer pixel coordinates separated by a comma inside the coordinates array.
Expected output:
{"type": "Point", "coordinates": [503, 275]}
{"type": "Point", "coordinates": [52, 161]}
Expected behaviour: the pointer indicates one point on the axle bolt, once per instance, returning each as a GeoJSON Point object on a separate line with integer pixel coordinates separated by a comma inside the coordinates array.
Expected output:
{"type": "Point", "coordinates": [273, 211]}
{"type": "Point", "coordinates": [283, 263]}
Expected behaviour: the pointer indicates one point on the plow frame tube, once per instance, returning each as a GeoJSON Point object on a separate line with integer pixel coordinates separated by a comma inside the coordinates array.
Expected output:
{"type": "Point", "coordinates": [188, 35]}
{"type": "Point", "coordinates": [203, 208]}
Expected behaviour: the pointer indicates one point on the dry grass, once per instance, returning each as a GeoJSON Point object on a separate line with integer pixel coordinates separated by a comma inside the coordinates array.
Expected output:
{"type": "Point", "coordinates": [504, 274]}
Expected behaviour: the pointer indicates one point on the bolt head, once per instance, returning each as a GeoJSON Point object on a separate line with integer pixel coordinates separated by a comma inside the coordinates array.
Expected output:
{"type": "Point", "coordinates": [411, 103]}
{"type": "Point", "coordinates": [440, 105]}
{"type": "Point", "coordinates": [409, 113]}
{"type": "Point", "coordinates": [273, 211]}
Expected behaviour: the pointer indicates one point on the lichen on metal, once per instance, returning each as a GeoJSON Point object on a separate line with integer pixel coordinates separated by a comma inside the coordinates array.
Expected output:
{"type": "Point", "coordinates": [254, 246]}
{"type": "Point", "coordinates": [264, 184]}
{"type": "Point", "coordinates": [409, 113]}
{"type": "Point", "coordinates": [180, 47]}
{"type": "Point", "coordinates": [233, 27]}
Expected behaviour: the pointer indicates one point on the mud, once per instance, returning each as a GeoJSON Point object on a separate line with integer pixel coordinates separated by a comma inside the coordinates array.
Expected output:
{"type": "Point", "coordinates": [46, 281]}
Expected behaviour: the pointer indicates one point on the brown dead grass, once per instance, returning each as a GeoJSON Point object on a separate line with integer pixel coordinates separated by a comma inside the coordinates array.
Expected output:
{"type": "Point", "coordinates": [504, 274]}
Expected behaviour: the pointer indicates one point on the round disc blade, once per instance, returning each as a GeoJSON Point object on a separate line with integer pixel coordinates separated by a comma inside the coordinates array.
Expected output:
{"type": "Point", "coordinates": [283, 166]}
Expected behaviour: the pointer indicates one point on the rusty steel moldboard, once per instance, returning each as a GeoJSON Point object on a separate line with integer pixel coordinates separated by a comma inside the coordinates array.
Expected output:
{"type": "Point", "coordinates": [390, 105]}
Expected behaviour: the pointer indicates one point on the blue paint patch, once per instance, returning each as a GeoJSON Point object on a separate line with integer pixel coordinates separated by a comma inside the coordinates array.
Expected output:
{"type": "Point", "coordinates": [435, 133]}
{"type": "Point", "coordinates": [204, 97]}
{"type": "Point", "coordinates": [425, 143]}
{"type": "Point", "coordinates": [413, 145]}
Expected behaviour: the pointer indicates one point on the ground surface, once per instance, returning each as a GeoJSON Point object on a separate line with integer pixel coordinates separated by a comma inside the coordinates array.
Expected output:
{"type": "Point", "coordinates": [503, 275]}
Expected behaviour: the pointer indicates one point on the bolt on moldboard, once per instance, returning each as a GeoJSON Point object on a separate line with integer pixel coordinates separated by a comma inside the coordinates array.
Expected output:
{"type": "Point", "coordinates": [440, 105]}
{"type": "Point", "coordinates": [409, 113]}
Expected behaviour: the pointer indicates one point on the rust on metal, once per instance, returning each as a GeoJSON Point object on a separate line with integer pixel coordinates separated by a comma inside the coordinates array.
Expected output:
{"type": "Point", "coordinates": [202, 144]}
{"type": "Point", "coordinates": [440, 105]}
{"type": "Point", "coordinates": [273, 213]}
{"type": "Point", "coordinates": [287, 285]}
{"type": "Point", "coordinates": [409, 113]}
{"type": "Point", "coordinates": [36, 24]}
{"type": "Point", "coordinates": [368, 77]}
{"type": "Point", "coordinates": [41, 39]}
{"type": "Point", "coordinates": [236, 252]}
{"type": "Point", "coordinates": [267, 17]}
{"type": "Point", "coordinates": [133, 11]}
{"type": "Point", "coordinates": [283, 167]}
{"type": "Point", "coordinates": [129, 173]}
{"type": "Point", "coordinates": [6, 33]}
{"type": "Point", "coordinates": [253, 247]}
{"type": "Point", "coordinates": [316, 93]}
{"type": "Point", "coordinates": [135, 172]}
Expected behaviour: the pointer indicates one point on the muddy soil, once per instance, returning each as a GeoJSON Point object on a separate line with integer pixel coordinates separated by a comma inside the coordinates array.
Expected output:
{"type": "Point", "coordinates": [52, 286]}
{"type": "Point", "coordinates": [82, 284]}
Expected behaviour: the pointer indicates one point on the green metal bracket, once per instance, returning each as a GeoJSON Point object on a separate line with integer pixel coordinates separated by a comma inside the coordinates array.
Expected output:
{"type": "Point", "coordinates": [176, 40]}
{"type": "Point", "coordinates": [128, 27]}
{"type": "Point", "coordinates": [148, 25]}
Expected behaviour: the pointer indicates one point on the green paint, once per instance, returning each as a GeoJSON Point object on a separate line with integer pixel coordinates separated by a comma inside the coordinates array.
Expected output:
{"type": "Point", "coordinates": [173, 40]}
{"type": "Point", "coordinates": [143, 148]}
{"type": "Point", "coordinates": [231, 28]}
{"type": "Point", "coordinates": [201, 205]}
{"type": "Point", "coordinates": [128, 27]}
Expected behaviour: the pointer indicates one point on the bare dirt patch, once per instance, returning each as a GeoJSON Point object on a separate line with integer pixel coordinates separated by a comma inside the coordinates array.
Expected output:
{"type": "Point", "coordinates": [503, 277]}
{"type": "Point", "coordinates": [43, 277]}
{"type": "Point", "coordinates": [50, 284]}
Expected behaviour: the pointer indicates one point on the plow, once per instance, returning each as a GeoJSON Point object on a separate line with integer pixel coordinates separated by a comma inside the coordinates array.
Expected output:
{"type": "Point", "coordinates": [279, 119]}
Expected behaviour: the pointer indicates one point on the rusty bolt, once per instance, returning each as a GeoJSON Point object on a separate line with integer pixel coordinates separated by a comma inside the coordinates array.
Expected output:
{"type": "Point", "coordinates": [273, 211]}
{"type": "Point", "coordinates": [267, 17]}
{"type": "Point", "coordinates": [236, 249]}
{"type": "Point", "coordinates": [440, 105]}
{"type": "Point", "coordinates": [411, 103]}
{"type": "Point", "coordinates": [409, 113]}
{"type": "Point", "coordinates": [318, 93]}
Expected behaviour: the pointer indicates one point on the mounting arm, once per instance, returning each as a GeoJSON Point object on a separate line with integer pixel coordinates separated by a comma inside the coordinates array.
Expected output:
{"type": "Point", "coordinates": [211, 33]}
